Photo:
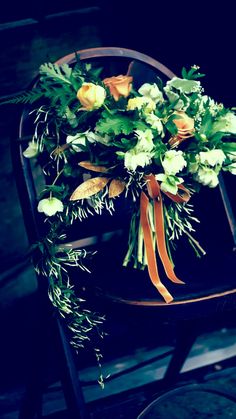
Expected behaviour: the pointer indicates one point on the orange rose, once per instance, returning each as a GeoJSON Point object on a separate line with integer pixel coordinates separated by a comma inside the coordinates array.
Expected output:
{"type": "Point", "coordinates": [184, 124]}
{"type": "Point", "coordinates": [119, 85]}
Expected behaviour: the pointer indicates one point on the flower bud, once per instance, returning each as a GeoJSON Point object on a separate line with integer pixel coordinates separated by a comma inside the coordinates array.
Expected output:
{"type": "Point", "coordinates": [91, 96]}
{"type": "Point", "coordinates": [119, 86]}
{"type": "Point", "coordinates": [184, 124]}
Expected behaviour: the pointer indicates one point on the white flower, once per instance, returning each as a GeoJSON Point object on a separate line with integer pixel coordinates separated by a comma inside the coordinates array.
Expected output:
{"type": "Point", "coordinates": [147, 104]}
{"type": "Point", "coordinates": [205, 102]}
{"type": "Point", "coordinates": [134, 159]}
{"type": "Point", "coordinates": [155, 123]}
{"type": "Point", "coordinates": [231, 168]}
{"type": "Point", "coordinates": [180, 105]}
{"type": "Point", "coordinates": [79, 139]}
{"type": "Point", "coordinates": [141, 154]}
{"type": "Point", "coordinates": [50, 206]}
{"type": "Point", "coordinates": [225, 123]}
{"type": "Point", "coordinates": [169, 183]}
{"type": "Point", "coordinates": [184, 85]}
{"type": "Point", "coordinates": [207, 176]}
{"type": "Point", "coordinates": [136, 103]}
{"type": "Point", "coordinates": [152, 92]}
{"type": "Point", "coordinates": [231, 155]}
{"type": "Point", "coordinates": [145, 142]}
{"type": "Point", "coordinates": [32, 150]}
{"type": "Point", "coordinates": [173, 162]}
{"type": "Point", "coordinates": [193, 167]}
{"type": "Point", "coordinates": [93, 137]}
{"type": "Point", "coordinates": [212, 157]}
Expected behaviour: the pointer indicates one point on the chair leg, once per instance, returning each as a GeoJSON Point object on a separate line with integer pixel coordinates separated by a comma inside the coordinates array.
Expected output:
{"type": "Point", "coordinates": [31, 406]}
{"type": "Point", "coordinates": [69, 377]}
{"type": "Point", "coordinates": [186, 336]}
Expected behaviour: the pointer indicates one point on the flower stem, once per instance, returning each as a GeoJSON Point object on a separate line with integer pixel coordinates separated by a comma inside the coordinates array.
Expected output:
{"type": "Point", "coordinates": [199, 247]}
{"type": "Point", "coordinates": [57, 176]}
{"type": "Point", "coordinates": [107, 109]}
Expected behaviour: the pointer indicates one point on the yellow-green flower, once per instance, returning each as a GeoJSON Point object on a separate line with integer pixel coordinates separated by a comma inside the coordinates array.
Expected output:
{"type": "Point", "coordinates": [155, 123]}
{"type": "Point", "coordinates": [142, 153]}
{"type": "Point", "coordinates": [225, 123]}
{"type": "Point", "coordinates": [151, 91]}
{"type": "Point", "coordinates": [212, 157]}
{"type": "Point", "coordinates": [207, 176]}
{"type": "Point", "coordinates": [140, 102]}
{"type": "Point", "coordinates": [32, 150]}
{"type": "Point", "coordinates": [50, 206]}
{"type": "Point", "coordinates": [173, 162]}
{"type": "Point", "coordinates": [136, 103]}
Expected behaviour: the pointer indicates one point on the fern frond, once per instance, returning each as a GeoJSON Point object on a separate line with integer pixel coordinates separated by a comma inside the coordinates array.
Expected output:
{"type": "Point", "coordinates": [55, 72]}
{"type": "Point", "coordinates": [29, 96]}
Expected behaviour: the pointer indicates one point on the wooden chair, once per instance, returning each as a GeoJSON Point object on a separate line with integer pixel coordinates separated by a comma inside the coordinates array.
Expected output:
{"type": "Point", "coordinates": [210, 284]}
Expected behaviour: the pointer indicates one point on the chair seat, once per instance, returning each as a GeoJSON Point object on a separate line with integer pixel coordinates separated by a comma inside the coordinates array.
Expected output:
{"type": "Point", "coordinates": [193, 400]}
{"type": "Point", "coordinates": [204, 278]}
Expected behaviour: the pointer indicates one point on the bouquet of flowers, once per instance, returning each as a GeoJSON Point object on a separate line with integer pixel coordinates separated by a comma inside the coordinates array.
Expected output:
{"type": "Point", "coordinates": [97, 139]}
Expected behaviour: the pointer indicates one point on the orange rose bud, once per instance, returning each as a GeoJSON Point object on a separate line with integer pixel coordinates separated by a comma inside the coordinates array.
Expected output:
{"type": "Point", "coordinates": [118, 85]}
{"type": "Point", "coordinates": [184, 124]}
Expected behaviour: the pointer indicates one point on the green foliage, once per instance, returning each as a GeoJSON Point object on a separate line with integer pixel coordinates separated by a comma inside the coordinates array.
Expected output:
{"type": "Point", "coordinates": [114, 124]}
{"type": "Point", "coordinates": [53, 73]}
{"type": "Point", "coordinates": [30, 96]}
{"type": "Point", "coordinates": [192, 74]}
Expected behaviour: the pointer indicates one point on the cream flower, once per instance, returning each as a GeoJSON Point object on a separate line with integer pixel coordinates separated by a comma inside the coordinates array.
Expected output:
{"type": "Point", "coordinates": [91, 96]}
{"type": "Point", "coordinates": [141, 154]}
{"type": "Point", "coordinates": [80, 139]}
{"type": "Point", "coordinates": [133, 159]}
{"type": "Point", "coordinates": [232, 168]}
{"type": "Point", "coordinates": [50, 206]}
{"type": "Point", "coordinates": [32, 150]}
{"type": "Point", "coordinates": [136, 103]}
{"type": "Point", "coordinates": [212, 157]}
{"type": "Point", "coordinates": [155, 123]}
{"type": "Point", "coordinates": [151, 91]}
{"type": "Point", "coordinates": [173, 162]}
{"type": "Point", "coordinates": [145, 138]}
{"type": "Point", "coordinates": [184, 85]}
{"type": "Point", "coordinates": [225, 123]}
{"type": "Point", "coordinates": [169, 183]}
{"type": "Point", "coordinates": [231, 155]}
{"type": "Point", "coordinates": [141, 103]}
{"type": "Point", "coordinates": [207, 176]}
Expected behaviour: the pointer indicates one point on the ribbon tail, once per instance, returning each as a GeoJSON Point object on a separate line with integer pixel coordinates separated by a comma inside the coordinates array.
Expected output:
{"type": "Point", "coordinates": [182, 196]}
{"type": "Point", "coordinates": [150, 251]}
{"type": "Point", "coordinates": [161, 242]}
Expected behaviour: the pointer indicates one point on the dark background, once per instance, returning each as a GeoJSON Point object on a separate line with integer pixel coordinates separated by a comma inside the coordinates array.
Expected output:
{"type": "Point", "coordinates": [175, 33]}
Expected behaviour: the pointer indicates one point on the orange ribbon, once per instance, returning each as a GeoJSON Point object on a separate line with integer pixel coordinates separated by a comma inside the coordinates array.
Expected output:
{"type": "Point", "coordinates": [154, 193]}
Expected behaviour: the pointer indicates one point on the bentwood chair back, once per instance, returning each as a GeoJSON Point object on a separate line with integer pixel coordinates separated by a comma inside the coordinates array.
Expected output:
{"type": "Point", "coordinates": [210, 284]}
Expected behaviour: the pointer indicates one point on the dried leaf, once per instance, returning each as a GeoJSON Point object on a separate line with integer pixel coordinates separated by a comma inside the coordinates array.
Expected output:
{"type": "Point", "coordinates": [116, 187]}
{"type": "Point", "coordinates": [89, 187]}
{"type": "Point", "coordinates": [90, 166]}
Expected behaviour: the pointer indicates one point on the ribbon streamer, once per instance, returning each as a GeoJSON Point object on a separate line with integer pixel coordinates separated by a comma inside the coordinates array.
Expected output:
{"type": "Point", "coordinates": [154, 193]}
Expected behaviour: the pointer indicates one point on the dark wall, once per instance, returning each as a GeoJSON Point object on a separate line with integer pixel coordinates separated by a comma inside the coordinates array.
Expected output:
{"type": "Point", "coordinates": [180, 34]}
